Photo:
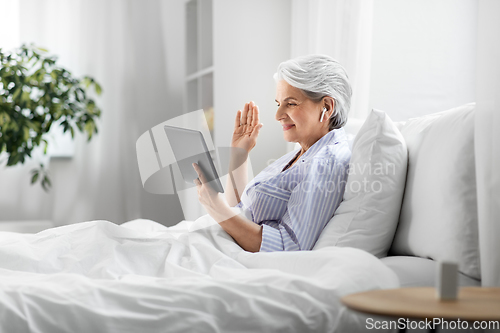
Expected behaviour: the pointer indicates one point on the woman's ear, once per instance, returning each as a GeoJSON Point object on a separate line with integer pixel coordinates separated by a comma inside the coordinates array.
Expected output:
{"type": "Point", "coordinates": [329, 105]}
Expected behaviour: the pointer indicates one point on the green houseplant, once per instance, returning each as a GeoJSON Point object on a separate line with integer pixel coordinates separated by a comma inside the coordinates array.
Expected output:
{"type": "Point", "coordinates": [36, 94]}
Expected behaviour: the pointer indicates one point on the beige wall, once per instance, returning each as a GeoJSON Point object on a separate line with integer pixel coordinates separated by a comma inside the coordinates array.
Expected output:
{"type": "Point", "coordinates": [250, 39]}
{"type": "Point", "coordinates": [423, 56]}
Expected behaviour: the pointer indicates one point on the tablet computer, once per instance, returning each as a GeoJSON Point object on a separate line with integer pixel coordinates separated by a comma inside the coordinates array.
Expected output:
{"type": "Point", "coordinates": [189, 147]}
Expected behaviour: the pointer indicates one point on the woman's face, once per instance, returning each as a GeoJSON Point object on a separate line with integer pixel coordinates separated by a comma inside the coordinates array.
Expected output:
{"type": "Point", "coordinates": [299, 116]}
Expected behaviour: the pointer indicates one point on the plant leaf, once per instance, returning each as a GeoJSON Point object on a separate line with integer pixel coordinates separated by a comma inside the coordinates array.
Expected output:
{"type": "Point", "coordinates": [98, 88]}
{"type": "Point", "coordinates": [34, 178]}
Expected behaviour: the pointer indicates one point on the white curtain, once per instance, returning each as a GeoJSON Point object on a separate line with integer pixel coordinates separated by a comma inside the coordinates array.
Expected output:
{"type": "Point", "coordinates": [121, 44]}
{"type": "Point", "coordinates": [341, 29]}
{"type": "Point", "coordinates": [487, 139]}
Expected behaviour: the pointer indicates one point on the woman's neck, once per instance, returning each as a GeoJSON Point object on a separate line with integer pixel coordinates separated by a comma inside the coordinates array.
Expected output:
{"type": "Point", "coordinates": [306, 145]}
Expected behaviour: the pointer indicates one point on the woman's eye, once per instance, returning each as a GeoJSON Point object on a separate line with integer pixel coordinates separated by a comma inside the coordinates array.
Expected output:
{"type": "Point", "coordinates": [291, 104]}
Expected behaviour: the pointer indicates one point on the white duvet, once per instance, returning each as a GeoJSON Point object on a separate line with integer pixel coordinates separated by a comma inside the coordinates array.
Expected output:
{"type": "Point", "coordinates": [143, 277]}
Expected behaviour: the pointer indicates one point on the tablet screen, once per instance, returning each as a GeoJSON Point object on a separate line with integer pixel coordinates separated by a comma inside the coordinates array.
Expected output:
{"type": "Point", "coordinates": [189, 147]}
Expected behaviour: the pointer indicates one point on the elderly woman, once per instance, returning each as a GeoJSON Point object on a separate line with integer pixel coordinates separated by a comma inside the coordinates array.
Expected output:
{"type": "Point", "coordinates": [287, 205]}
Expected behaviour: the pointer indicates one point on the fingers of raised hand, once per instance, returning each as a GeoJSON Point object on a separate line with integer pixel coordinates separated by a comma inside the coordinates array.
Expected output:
{"type": "Point", "coordinates": [251, 109]}
{"type": "Point", "coordinates": [255, 117]}
{"type": "Point", "coordinates": [244, 114]}
{"type": "Point", "coordinates": [247, 121]}
{"type": "Point", "coordinates": [237, 122]}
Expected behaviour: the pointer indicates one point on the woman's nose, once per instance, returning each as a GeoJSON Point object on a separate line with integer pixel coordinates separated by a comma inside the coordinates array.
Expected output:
{"type": "Point", "coordinates": [279, 113]}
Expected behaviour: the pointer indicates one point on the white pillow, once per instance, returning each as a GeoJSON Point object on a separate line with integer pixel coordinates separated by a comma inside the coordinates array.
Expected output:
{"type": "Point", "coordinates": [439, 212]}
{"type": "Point", "coordinates": [368, 215]}
{"type": "Point", "coordinates": [352, 128]}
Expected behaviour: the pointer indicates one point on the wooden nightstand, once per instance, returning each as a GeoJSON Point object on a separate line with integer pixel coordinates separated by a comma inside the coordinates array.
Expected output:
{"type": "Point", "coordinates": [473, 304]}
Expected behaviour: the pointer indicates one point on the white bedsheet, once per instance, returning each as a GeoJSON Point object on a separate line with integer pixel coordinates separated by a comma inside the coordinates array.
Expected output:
{"type": "Point", "coordinates": [142, 277]}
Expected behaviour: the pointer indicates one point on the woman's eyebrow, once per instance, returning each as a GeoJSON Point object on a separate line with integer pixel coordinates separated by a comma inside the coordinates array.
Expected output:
{"type": "Point", "coordinates": [287, 99]}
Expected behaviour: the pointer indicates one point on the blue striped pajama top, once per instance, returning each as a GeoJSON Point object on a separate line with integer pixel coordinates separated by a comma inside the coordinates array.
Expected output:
{"type": "Point", "coordinates": [294, 205]}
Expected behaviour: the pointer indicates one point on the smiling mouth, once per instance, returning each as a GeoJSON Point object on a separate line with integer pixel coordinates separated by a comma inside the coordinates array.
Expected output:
{"type": "Point", "coordinates": [287, 127]}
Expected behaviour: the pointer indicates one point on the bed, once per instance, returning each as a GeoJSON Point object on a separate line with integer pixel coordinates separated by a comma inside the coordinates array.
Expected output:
{"type": "Point", "coordinates": [143, 277]}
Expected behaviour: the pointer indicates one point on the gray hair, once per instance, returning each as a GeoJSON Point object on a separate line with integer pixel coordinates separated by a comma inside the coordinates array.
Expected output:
{"type": "Point", "coordinates": [318, 76]}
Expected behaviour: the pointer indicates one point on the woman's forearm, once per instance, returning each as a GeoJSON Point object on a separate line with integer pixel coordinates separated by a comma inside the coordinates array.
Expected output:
{"type": "Point", "coordinates": [246, 233]}
{"type": "Point", "coordinates": [237, 177]}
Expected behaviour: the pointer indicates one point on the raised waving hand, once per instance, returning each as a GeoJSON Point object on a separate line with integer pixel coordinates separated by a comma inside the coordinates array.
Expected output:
{"type": "Point", "coordinates": [246, 127]}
